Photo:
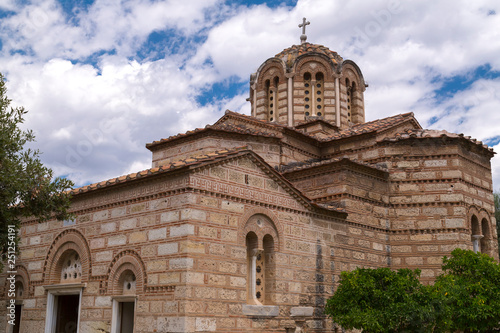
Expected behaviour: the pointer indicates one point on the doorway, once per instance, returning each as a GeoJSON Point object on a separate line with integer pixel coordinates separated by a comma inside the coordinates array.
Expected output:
{"type": "Point", "coordinates": [123, 315]}
{"type": "Point", "coordinates": [67, 313]}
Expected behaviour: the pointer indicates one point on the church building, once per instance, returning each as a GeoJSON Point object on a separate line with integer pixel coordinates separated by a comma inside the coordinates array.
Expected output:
{"type": "Point", "coordinates": [245, 225]}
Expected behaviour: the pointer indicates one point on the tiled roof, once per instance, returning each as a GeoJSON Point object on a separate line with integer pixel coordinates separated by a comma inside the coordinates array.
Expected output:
{"type": "Point", "coordinates": [194, 161]}
{"type": "Point", "coordinates": [429, 133]}
{"type": "Point", "coordinates": [295, 166]}
{"type": "Point", "coordinates": [221, 126]}
{"type": "Point", "coordinates": [374, 126]}
{"type": "Point", "coordinates": [191, 161]}
{"type": "Point", "coordinates": [369, 127]}
{"type": "Point", "coordinates": [297, 50]}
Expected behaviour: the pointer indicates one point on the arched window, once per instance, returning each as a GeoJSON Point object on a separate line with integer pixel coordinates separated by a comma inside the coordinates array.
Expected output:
{"type": "Point", "coordinates": [318, 94]}
{"type": "Point", "coordinates": [272, 98]}
{"type": "Point", "coordinates": [124, 304]}
{"type": "Point", "coordinates": [349, 98]}
{"type": "Point", "coordinates": [261, 238]}
{"type": "Point", "coordinates": [71, 270]}
{"type": "Point", "coordinates": [476, 234]}
{"type": "Point", "coordinates": [485, 240]}
{"type": "Point", "coordinates": [308, 94]}
{"type": "Point", "coordinates": [270, 269]}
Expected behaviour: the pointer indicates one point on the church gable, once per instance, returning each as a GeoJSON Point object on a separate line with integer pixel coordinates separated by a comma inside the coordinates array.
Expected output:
{"type": "Point", "coordinates": [249, 178]}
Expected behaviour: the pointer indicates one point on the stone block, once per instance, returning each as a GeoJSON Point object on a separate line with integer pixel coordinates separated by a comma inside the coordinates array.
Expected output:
{"type": "Point", "coordinates": [302, 311]}
{"type": "Point", "coordinates": [117, 240]}
{"type": "Point", "coordinates": [191, 247]}
{"type": "Point", "coordinates": [454, 223]}
{"type": "Point", "coordinates": [182, 230]}
{"type": "Point", "coordinates": [169, 216]}
{"type": "Point", "coordinates": [117, 212]}
{"type": "Point", "coordinates": [232, 206]}
{"type": "Point", "coordinates": [193, 214]}
{"type": "Point", "coordinates": [168, 248]}
{"type": "Point", "coordinates": [156, 265]}
{"type": "Point", "coordinates": [104, 256]}
{"type": "Point", "coordinates": [169, 277]}
{"type": "Point", "coordinates": [260, 310]}
{"type": "Point", "coordinates": [108, 227]}
{"type": "Point", "coordinates": [97, 243]}
{"type": "Point", "coordinates": [156, 234]}
{"type": "Point", "coordinates": [138, 237]}
{"type": "Point", "coordinates": [103, 301]}
{"type": "Point", "coordinates": [128, 224]}
{"type": "Point", "coordinates": [181, 263]}
{"type": "Point", "coordinates": [205, 324]}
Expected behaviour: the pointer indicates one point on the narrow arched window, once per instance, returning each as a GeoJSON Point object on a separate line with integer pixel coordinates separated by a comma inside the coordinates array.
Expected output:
{"type": "Point", "coordinates": [270, 269]}
{"type": "Point", "coordinates": [272, 98]}
{"type": "Point", "coordinates": [318, 94]}
{"type": "Point", "coordinates": [349, 97]}
{"type": "Point", "coordinates": [485, 246]}
{"type": "Point", "coordinates": [476, 234]}
{"type": "Point", "coordinates": [307, 94]}
{"type": "Point", "coordinates": [255, 270]}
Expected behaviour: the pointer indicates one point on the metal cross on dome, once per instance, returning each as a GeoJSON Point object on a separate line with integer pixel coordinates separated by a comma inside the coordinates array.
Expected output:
{"type": "Point", "coordinates": [303, 37]}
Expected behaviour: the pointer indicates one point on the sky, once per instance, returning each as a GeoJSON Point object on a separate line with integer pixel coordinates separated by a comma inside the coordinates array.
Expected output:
{"type": "Point", "coordinates": [102, 78]}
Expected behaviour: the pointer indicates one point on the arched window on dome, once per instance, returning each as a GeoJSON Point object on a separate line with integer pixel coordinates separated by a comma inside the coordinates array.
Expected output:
{"type": "Point", "coordinates": [318, 94]}
{"type": "Point", "coordinates": [349, 96]}
{"type": "Point", "coordinates": [272, 98]}
{"type": "Point", "coordinates": [307, 94]}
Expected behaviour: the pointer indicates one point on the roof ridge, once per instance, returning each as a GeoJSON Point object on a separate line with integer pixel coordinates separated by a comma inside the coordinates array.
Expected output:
{"type": "Point", "coordinates": [192, 160]}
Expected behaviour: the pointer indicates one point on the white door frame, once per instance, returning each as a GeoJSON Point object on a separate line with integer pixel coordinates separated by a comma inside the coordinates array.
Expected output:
{"type": "Point", "coordinates": [57, 290]}
{"type": "Point", "coordinates": [115, 322]}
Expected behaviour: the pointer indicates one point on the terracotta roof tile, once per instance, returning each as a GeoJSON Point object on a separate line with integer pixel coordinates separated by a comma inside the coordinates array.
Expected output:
{"type": "Point", "coordinates": [428, 133]}
{"type": "Point", "coordinates": [291, 167]}
{"type": "Point", "coordinates": [157, 170]}
{"type": "Point", "coordinates": [297, 50]}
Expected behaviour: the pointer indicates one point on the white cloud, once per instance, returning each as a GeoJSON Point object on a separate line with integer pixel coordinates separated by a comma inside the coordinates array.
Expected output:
{"type": "Point", "coordinates": [93, 119]}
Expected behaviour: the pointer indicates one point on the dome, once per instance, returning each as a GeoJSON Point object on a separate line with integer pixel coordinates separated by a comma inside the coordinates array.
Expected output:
{"type": "Point", "coordinates": [289, 55]}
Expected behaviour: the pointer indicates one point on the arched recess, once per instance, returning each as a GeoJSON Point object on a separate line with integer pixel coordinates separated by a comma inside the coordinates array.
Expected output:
{"type": "Point", "coordinates": [67, 242]}
{"type": "Point", "coordinates": [246, 225]}
{"type": "Point", "coordinates": [22, 277]}
{"type": "Point", "coordinates": [354, 87]}
{"type": "Point", "coordinates": [123, 264]}
{"type": "Point", "coordinates": [261, 239]}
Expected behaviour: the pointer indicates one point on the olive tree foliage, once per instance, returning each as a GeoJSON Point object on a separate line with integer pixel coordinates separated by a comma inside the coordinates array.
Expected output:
{"type": "Point", "coordinates": [470, 286]}
{"type": "Point", "coordinates": [27, 187]}
{"type": "Point", "coordinates": [465, 298]}
{"type": "Point", "coordinates": [382, 300]}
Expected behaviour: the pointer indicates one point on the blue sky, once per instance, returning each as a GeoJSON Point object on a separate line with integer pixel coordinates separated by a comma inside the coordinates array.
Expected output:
{"type": "Point", "coordinates": [102, 78]}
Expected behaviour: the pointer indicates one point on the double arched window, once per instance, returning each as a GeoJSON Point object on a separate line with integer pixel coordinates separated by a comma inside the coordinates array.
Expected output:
{"type": "Point", "coordinates": [272, 98]}
{"type": "Point", "coordinates": [260, 242]}
{"type": "Point", "coordinates": [480, 234]}
{"type": "Point", "coordinates": [313, 94]}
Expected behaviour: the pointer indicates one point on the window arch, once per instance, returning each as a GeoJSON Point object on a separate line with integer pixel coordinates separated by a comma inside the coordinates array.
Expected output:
{"type": "Point", "coordinates": [260, 239]}
{"type": "Point", "coordinates": [272, 98]}
{"type": "Point", "coordinates": [349, 99]}
{"type": "Point", "coordinates": [71, 267]}
{"type": "Point", "coordinates": [308, 101]}
{"type": "Point", "coordinates": [476, 234]}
